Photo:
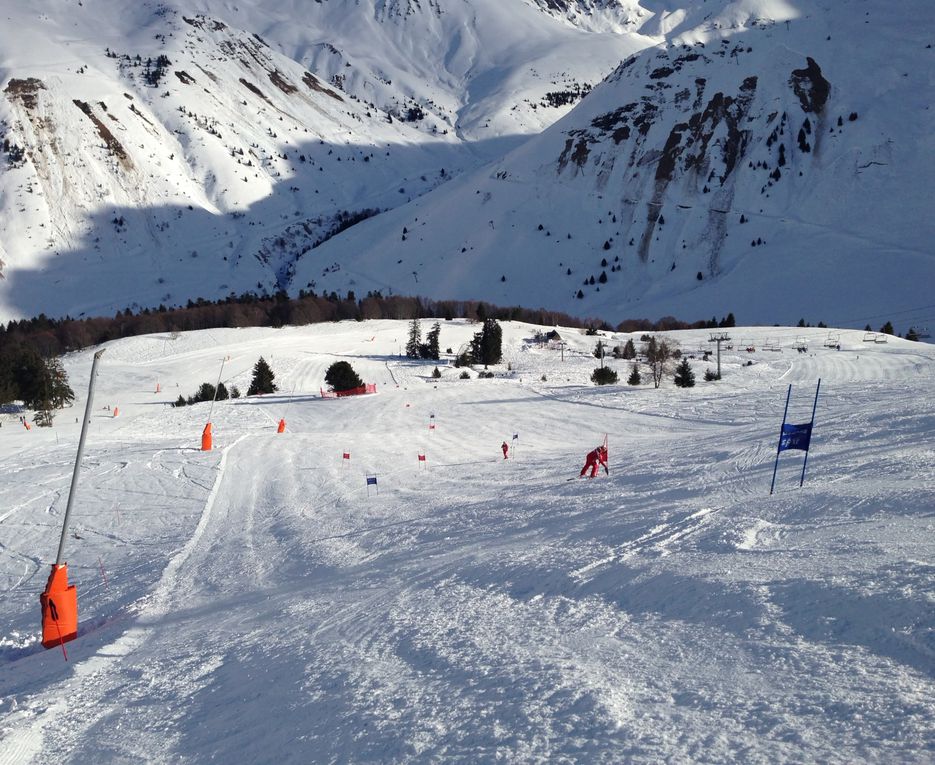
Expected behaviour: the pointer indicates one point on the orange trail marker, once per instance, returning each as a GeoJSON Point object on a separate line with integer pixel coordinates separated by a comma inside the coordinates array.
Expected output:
{"type": "Point", "coordinates": [206, 440]}
{"type": "Point", "coordinates": [282, 426]}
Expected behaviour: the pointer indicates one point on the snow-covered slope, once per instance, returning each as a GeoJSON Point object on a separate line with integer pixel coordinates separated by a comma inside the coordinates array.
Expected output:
{"type": "Point", "coordinates": [779, 167]}
{"type": "Point", "coordinates": [157, 152]}
{"type": "Point", "coordinates": [256, 604]}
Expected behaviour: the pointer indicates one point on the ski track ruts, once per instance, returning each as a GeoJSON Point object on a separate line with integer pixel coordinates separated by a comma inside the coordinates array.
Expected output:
{"type": "Point", "coordinates": [658, 537]}
{"type": "Point", "coordinates": [88, 689]}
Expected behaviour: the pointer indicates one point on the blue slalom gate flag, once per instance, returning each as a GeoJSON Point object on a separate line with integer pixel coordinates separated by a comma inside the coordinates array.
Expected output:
{"type": "Point", "coordinates": [371, 480]}
{"type": "Point", "coordinates": [515, 436]}
{"type": "Point", "coordinates": [795, 437]}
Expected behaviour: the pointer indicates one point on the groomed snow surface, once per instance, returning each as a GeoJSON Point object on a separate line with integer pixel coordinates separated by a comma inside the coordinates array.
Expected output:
{"type": "Point", "coordinates": [256, 604]}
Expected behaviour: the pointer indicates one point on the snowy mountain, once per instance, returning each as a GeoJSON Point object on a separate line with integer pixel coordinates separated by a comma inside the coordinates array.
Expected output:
{"type": "Point", "coordinates": [261, 602]}
{"type": "Point", "coordinates": [743, 165]}
{"type": "Point", "coordinates": [157, 152]}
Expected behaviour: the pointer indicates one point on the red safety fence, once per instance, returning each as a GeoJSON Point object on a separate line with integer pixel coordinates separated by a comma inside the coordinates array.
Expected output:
{"type": "Point", "coordinates": [368, 388]}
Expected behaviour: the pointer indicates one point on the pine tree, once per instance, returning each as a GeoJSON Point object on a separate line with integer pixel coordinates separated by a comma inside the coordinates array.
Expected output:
{"type": "Point", "coordinates": [341, 376]}
{"type": "Point", "coordinates": [429, 350]}
{"type": "Point", "coordinates": [262, 381]}
{"type": "Point", "coordinates": [414, 343]}
{"type": "Point", "coordinates": [629, 350]}
{"type": "Point", "coordinates": [887, 329]}
{"type": "Point", "coordinates": [603, 376]}
{"type": "Point", "coordinates": [634, 378]}
{"type": "Point", "coordinates": [60, 393]}
{"type": "Point", "coordinates": [684, 377]}
{"type": "Point", "coordinates": [487, 345]}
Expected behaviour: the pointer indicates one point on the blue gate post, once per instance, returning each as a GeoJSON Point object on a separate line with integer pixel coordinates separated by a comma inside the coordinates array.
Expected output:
{"type": "Point", "coordinates": [779, 445]}
{"type": "Point", "coordinates": [811, 428]}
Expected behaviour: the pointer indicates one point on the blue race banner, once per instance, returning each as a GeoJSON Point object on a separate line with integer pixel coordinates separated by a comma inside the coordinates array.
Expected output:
{"type": "Point", "coordinates": [795, 437]}
{"type": "Point", "coordinates": [371, 480]}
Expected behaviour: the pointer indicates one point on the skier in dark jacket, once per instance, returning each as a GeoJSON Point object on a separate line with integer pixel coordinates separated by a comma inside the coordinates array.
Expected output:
{"type": "Point", "coordinates": [595, 457]}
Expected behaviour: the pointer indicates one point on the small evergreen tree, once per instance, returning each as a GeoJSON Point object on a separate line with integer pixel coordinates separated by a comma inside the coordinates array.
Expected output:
{"type": "Point", "coordinates": [487, 345]}
{"type": "Point", "coordinates": [887, 329]}
{"type": "Point", "coordinates": [599, 350]}
{"type": "Point", "coordinates": [414, 343]}
{"type": "Point", "coordinates": [60, 393]}
{"type": "Point", "coordinates": [629, 350]}
{"type": "Point", "coordinates": [341, 376]}
{"type": "Point", "coordinates": [429, 350]}
{"type": "Point", "coordinates": [710, 375]}
{"type": "Point", "coordinates": [180, 401]}
{"type": "Point", "coordinates": [263, 378]}
{"type": "Point", "coordinates": [634, 378]}
{"type": "Point", "coordinates": [43, 418]}
{"type": "Point", "coordinates": [912, 334]}
{"type": "Point", "coordinates": [41, 384]}
{"type": "Point", "coordinates": [205, 392]}
{"type": "Point", "coordinates": [603, 376]}
{"type": "Point", "coordinates": [436, 373]}
{"type": "Point", "coordinates": [684, 377]}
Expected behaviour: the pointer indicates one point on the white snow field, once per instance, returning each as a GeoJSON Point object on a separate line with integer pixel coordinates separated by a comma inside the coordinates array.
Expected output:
{"type": "Point", "coordinates": [254, 604]}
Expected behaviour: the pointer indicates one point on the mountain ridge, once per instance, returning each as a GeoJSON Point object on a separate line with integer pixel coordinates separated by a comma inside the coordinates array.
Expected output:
{"type": "Point", "coordinates": [182, 214]}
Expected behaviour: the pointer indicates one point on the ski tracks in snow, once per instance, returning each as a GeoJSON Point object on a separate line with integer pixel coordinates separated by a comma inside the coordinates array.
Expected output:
{"type": "Point", "coordinates": [51, 723]}
{"type": "Point", "coordinates": [660, 538]}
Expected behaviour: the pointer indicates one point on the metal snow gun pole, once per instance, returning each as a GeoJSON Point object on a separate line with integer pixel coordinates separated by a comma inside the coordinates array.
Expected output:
{"type": "Point", "coordinates": [206, 438]}
{"type": "Point", "coordinates": [60, 600]}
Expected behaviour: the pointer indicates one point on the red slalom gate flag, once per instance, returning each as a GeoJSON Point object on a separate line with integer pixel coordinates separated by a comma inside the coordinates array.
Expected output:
{"type": "Point", "coordinates": [346, 455]}
{"type": "Point", "coordinates": [421, 458]}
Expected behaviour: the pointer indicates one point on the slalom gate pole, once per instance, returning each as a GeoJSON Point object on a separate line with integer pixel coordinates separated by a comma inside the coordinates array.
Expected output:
{"type": "Point", "coordinates": [779, 445]}
{"type": "Point", "coordinates": [810, 431]}
{"type": "Point", "coordinates": [74, 476]}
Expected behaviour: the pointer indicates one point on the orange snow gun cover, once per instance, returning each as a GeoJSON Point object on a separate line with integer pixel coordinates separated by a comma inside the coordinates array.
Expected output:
{"type": "Point", "coordinates": [59, 608]}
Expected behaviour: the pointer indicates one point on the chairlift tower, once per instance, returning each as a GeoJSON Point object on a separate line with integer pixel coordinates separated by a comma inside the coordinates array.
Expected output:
{"type": "Point", "coordinates": [719, 337]}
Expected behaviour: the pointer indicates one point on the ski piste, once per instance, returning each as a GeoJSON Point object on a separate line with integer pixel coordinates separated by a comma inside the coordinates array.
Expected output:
{"type": "Point", "coordinates": [470, 612]}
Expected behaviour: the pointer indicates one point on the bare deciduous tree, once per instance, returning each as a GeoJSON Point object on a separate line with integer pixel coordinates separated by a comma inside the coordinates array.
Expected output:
{"type": "Point", "coordinates": [657, 353]}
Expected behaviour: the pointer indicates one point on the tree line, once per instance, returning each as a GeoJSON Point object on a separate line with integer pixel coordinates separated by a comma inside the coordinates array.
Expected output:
{"type": "Point", "coordinates": [54, 336]}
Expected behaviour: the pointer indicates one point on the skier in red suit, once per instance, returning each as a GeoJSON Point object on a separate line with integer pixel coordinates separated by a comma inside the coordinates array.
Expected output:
{"type": "Point", "coordinates": [596, 457]}
{"type": "Point", "coordinates": [506, 449]}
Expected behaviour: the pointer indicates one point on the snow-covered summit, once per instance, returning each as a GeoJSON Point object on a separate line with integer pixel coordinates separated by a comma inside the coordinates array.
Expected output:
{"type": "Point", "coordinates": [158, 152]}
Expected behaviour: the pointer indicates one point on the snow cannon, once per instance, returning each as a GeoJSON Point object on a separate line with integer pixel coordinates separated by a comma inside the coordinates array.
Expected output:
{"type": "Point", "coordinates": [282, 426]}
{"type": "Point", "coordinates": [59, 608]}
{"type": "Point", "coordinates": [206, 438]}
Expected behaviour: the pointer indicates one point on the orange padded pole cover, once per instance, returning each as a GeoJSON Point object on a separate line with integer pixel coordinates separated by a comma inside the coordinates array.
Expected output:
{"type": "Point", "coordinates": [282, 427]}
{"type": "Point", "coordinates": [206, 438]}
{"type": "Point", "coordinates": [59, 608]}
